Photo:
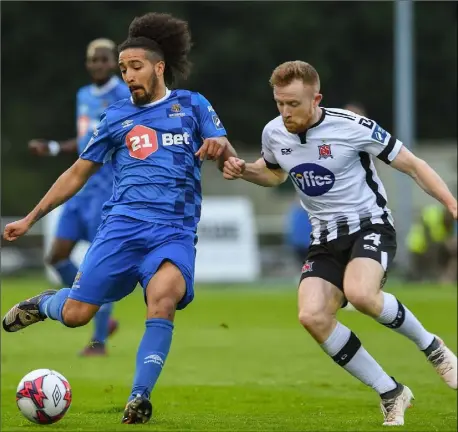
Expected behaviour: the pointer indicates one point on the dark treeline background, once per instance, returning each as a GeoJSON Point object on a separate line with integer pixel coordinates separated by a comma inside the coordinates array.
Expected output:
{"type": "Point", "coordinates": [236, 46]}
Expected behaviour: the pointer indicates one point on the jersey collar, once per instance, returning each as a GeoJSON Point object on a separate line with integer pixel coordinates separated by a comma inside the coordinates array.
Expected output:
{"type": "Point", "coordinates": [303, 135]}
{"type": "Point", "coordinates": [167, 94]}
{"type": "Point", "coordinates": [107, 87]}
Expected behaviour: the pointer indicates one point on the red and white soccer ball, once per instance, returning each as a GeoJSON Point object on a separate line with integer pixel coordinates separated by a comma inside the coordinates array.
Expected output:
{"type": "Point", "coordinates": [44, 396]}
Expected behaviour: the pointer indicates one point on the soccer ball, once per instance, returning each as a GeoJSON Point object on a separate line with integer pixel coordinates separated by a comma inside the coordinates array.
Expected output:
{"type": "Point", "coordinates": [43, 396]}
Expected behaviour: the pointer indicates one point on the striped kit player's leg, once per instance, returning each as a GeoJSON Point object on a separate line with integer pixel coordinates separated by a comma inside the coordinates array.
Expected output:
{"type": "Point", "coordinates": [319, 301]}
{"type": "Point", "coordinates": [389, 311]}
{"type": "Point", "coordinates": [371, 255]}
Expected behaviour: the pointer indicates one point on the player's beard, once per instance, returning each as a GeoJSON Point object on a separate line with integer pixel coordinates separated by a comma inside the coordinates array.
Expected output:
{"type": "Point", "coordinates": [294, 127]}
{"type": "Point", "coordinates": [298, 124]}
{"type": "Point", "coordinates": [145, 97]}
{"type": "Point", "coordinates": [140, 96]}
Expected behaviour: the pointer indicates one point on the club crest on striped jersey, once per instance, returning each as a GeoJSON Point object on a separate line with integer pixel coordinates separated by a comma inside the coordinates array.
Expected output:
{"type": "Point", "coordinates": [324, 151]}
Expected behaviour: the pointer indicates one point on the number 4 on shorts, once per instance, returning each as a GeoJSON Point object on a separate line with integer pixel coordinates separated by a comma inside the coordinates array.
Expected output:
{"type": "Point", "coordinates": [375, 238]}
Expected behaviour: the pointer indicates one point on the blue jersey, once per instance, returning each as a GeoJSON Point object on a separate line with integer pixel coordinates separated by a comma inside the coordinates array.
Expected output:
{"type": "Point", "coordinates": [91, 102]}
{"type": "Point", "coordinates": [152, 149]}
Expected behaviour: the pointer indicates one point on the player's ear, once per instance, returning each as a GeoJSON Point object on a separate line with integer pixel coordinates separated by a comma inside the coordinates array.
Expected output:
{"type": "Point", "coordinates": [317, 99]}
{"type": "Point", "coordinates": [159, 68]}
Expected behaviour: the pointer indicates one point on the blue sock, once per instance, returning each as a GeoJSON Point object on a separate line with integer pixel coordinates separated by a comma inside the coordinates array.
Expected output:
{"type": "Point", "coordinates": [151, 355]}
{"type": "Point", "coordinates": [52, 305]}
{"type": "Point", "coordinates": [67, 271]}
{"type": "Point", "coordinates": [101, 319]}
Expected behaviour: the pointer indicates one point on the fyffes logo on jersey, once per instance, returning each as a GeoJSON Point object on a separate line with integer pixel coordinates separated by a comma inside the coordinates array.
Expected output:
{"type": "Point", "coordinates": [312, 179]}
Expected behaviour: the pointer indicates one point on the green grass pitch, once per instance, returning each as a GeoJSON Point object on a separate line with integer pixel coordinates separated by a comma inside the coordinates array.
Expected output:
{"type": "Point", "coordinates": [239, 362]}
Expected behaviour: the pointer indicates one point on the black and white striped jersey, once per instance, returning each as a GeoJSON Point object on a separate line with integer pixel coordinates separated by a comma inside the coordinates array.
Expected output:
{"type": "Point", "coordinates": [332, 170]}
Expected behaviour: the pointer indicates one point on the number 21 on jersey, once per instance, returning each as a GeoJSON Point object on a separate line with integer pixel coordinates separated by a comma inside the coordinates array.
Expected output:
{"type": "Point", "coordinates": [141, 142]}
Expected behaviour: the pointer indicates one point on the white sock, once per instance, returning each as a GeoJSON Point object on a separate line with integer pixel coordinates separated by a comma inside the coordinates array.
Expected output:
{"type": "Point", "coordinates": [345, 349]}
{"type": "Point", "coordinates": [397, 317]}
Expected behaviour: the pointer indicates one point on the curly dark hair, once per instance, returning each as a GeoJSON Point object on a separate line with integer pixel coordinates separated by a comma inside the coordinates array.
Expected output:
{"type": "Point", "coordinates": [165, 35]}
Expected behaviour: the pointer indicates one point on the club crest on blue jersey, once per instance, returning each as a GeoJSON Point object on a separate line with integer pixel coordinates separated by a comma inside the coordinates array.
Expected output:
{"type": "Point", "coordinates": [175, 111]}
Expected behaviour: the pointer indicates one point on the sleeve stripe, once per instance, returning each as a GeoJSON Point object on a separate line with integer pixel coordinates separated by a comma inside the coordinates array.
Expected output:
{"type": "Point", "coordinates": [271, 165]}
{"type": "Point", "coordinates": [385, 154]}
{"type": "Point", "coordinates": [395, 151]}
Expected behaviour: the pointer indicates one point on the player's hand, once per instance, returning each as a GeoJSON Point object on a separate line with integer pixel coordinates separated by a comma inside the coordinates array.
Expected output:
{"type": "Point", "coordinates": [17, 229]}
{"type": "Point", "coordinates": [39, 147]}
{"type": "Point", "coordinates": [234, 168]}
{"type": "Point", "coordinates": [212, 148]}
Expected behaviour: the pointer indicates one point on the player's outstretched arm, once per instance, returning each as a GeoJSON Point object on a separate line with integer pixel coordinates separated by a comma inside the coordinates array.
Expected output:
{"type": "Point", "coordinates": [42, 147]}
{"type": "Point", "coordinates": [426, 178]}
{"type": "Point", "coordinates": [256, 172]}
{"type": "Point", "coordinates": [67, 185]}
{"type": "Point", "coordinates": [216, 149]}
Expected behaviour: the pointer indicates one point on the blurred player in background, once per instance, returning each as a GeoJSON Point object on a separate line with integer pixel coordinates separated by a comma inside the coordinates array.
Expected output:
{"type": "Point", "coordinates": [157, 140]}
{"type": "Point", "coordinates": [81, 216]}
{"type": "Point", "coordinates": [356, 107]}
{"type": "Point", "coordinates": [353, 237]}
{"type": "Point", "coordinates": [432, 245]}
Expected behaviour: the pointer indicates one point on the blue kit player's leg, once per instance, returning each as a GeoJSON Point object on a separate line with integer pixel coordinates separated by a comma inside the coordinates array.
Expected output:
{"type": "Point", "coordinates": [104, 325]}
{"type": "Point", "coordinates": [108, 273]}
{"type": "Point", "coordinates": [167, 276]}
{"type": "Point", "coordinates": [70, 230]}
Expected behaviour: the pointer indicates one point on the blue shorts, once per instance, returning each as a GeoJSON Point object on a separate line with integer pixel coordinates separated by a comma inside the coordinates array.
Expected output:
{"type": "Point", "coordinates": [126, 251]}
{"type": "Point", "coordinates": [81, 217]}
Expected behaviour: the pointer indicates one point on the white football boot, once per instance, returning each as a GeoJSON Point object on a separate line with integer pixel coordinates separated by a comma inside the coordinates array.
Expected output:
{"type": "Point", "coordinates": [393, 409]}
{"type": "Point", "coordinates": [445, 363]}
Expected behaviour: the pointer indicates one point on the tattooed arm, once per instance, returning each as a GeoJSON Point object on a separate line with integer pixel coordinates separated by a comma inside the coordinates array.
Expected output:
{"type": "Point", "coordinates": [67, 185]}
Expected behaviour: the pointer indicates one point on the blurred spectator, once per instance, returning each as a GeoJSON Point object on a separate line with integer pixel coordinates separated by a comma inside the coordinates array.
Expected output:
{"type": "Point", "coordinates": [298, 230]}
{"type": "Point", "coordinates": [432, 243]}
{"type": "Point", "coordinates": [356, 107]}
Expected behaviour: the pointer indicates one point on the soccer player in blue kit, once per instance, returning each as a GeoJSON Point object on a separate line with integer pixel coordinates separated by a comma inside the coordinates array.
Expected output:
{"type": "Point", "coordinates": [156, 140]}
{"type": "Point", "coordinates": [81, 215]}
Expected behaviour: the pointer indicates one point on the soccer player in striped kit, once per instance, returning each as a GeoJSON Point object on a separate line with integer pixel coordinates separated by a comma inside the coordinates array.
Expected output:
{"type": "Point", "coordinates": [327, 154]}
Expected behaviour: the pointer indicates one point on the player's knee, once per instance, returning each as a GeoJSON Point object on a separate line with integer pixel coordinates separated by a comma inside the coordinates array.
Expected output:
{"type": "Point", "coordinates": [314, 320]}
{"type": "Point", "coordinates": [163, 307]}
{"type": "Point", "coordinates": [362, 298]}
{"type": "Point", "coordinates": [77, 314]}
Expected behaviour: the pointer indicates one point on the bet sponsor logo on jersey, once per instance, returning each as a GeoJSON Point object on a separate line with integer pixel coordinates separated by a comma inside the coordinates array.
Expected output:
{"type": "Point", "coordinates": [143, 141]}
